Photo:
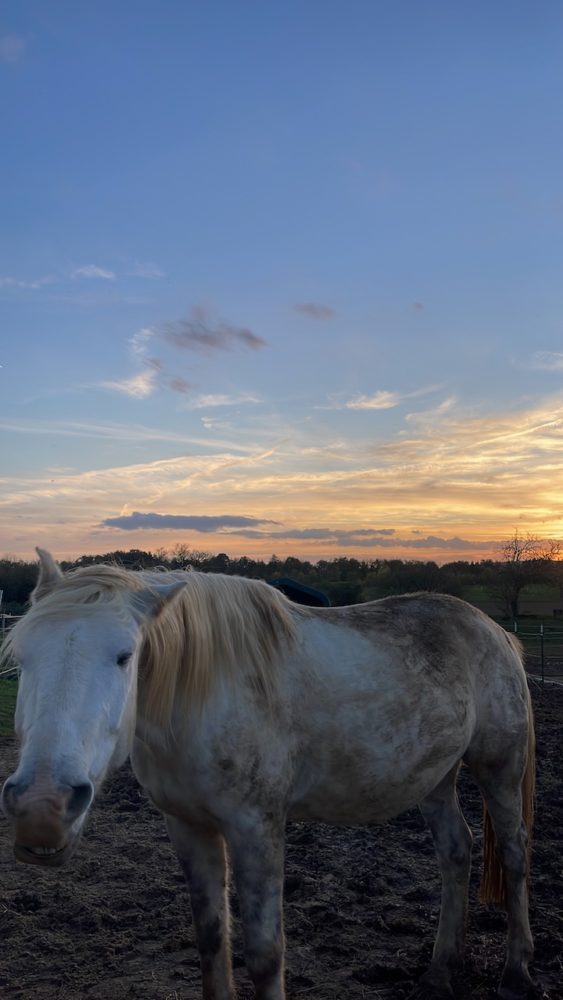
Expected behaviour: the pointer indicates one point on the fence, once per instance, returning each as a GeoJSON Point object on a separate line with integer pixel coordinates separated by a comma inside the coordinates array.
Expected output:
{"type": "Point", "coordinates": [543, 646]}
{"type": "Point", "coordinates": [6, 622]}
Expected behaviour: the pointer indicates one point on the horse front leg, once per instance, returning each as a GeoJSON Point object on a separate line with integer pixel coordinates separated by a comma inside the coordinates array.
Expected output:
{"type": "Point", "coordinates": [202, 858]}
{"type": "Point", "coordinates": [256, 849]}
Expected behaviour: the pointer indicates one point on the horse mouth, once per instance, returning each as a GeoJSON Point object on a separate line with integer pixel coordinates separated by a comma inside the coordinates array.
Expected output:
{"type": "Point", "coordinates": [47, 857]}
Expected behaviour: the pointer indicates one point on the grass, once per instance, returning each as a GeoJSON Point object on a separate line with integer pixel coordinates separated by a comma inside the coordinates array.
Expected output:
{"type": "Point", "coordinates": [531, 592]}
{"type": "Point", "coordinates": [8, 692]}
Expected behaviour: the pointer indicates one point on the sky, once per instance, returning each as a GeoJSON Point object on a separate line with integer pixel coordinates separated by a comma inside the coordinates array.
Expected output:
{"type": "Point", "coordinates": [281, 277]}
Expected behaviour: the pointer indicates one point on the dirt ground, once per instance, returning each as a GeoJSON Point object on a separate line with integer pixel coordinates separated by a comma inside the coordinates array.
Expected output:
{"type": "Point", "coordinates": [361, 905]}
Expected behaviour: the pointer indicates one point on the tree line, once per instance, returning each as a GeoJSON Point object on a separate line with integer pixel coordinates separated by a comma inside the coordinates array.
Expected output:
{"type": "Point", "coordinates": [344, 579]}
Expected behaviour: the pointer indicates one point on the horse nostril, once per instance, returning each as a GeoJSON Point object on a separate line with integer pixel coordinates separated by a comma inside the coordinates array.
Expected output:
{"type": "Point", "coordinates": [70, 801]}
{"type": "Point", "coordinates": [80, 798]}
{"type": "Point", "coordinates": [9, 795]}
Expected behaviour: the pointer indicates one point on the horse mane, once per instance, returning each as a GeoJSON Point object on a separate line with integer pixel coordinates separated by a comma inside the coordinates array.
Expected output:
{"type": "Point", "coordinates": [215, 627]}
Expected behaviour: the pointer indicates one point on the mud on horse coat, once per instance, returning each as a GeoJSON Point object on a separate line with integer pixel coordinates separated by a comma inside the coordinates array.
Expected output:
{"type": "Point", "coordinates": [241, 710]}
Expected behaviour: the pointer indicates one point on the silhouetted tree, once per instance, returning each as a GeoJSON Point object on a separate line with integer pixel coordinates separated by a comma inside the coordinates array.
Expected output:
{"type": "Point", "coordinates": [525, 561]}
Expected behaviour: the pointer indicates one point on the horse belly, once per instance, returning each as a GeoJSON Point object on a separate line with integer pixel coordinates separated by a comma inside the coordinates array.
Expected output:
{"type": "Point", "coordinates": [357, 784]}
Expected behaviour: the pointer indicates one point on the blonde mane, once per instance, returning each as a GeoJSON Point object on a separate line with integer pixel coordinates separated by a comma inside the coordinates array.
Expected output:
{"type": "Point", "coordinates": [215, 627]}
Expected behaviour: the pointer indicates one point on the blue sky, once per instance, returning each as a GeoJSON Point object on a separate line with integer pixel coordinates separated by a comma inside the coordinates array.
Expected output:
{"type": "Point", "coordinates": [280, 277]}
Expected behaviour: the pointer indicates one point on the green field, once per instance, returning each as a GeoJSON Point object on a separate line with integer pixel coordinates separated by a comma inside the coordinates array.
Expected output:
{"type": "Point", "coordinates": [8, 692]}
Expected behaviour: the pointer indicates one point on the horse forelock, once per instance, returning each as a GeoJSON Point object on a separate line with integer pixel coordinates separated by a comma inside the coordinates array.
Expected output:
{"type": "Point", "coordinates": [79, 592]}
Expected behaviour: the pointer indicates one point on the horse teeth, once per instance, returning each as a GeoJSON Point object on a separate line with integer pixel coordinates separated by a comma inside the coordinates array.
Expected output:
{"type": "Point", "coordinates": [45, 850]}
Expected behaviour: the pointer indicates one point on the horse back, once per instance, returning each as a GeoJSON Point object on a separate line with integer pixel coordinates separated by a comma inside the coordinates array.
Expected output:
{"type": "Point", "coordinates": [396, 693]}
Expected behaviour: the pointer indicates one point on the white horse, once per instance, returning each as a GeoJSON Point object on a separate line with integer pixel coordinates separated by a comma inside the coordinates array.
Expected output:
{"type": "Point", "coordinates": [241, 710]}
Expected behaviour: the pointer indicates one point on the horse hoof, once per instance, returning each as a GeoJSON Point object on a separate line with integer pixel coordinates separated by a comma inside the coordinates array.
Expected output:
{"type": "Point", "coordinates": [428, 991]}
{"type": "Point", "coordinates": [516, 984]}
{"type": "Point", "coordinates": [526, 993]}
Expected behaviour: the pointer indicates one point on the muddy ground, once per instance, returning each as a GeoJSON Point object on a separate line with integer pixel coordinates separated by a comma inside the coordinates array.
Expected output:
{"type": "Point", "coordinates": [361, 905]}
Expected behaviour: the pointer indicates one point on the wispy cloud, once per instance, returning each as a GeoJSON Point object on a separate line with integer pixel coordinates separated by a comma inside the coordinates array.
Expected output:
{"type": "Point", "coordinates": [139, 342]}
{"type": "Point", "coordinates": [315, 310]}
{"type": "Point", "coordinates": [92, 271]}
{"type": "Point", "coordinates": [81, 496]}
{"type": "Point", "coordinates": [475, 449]}
{"type": "Point", "coordinates": [549, 361]}
{"type": "Point", "coordinates": [12, 48]}
{"type": "Point", "coordinates": [86, 272]}
{"type": "Point", "coordinates": [432, 416]}
{"type": "Point", "coordinates": [215, 423]}
{"type": "Point", "coordinates": [146, 269]}
{"type": "Point", "coordinates": [382, 399]}
{"type": "Point", "coordinates": [136, 433]}
{"type": "Point", "coordinates": [100, 297]}
{"type": "Point", "coordinates": [138, 386]}
{"type": "Point", "coordinates": [210, 400]}
{"type": "Point", "coordinates": [7, 281]}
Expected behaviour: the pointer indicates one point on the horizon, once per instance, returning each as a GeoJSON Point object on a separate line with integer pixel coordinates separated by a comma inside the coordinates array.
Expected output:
{"type": "Point", "coordinates": [281, 280]}
{"type": "Point", "coordinates": [187, 554]}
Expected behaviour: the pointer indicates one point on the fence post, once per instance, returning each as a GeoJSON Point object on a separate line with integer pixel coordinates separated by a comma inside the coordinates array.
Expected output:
{"type": "Point", "coordinates": [542, 656]}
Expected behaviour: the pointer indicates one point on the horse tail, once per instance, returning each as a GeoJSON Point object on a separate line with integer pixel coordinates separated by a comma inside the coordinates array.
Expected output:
{"type": "Point", "coordinates": [493, 886]}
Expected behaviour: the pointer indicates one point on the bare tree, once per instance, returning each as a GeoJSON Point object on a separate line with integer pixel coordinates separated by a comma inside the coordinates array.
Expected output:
{"type": "Point", "coordinates": [524, 561]}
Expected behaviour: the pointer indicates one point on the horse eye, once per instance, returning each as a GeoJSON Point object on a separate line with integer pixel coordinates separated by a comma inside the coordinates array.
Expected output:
{"type": "Point", "coordinates": [123, 659]}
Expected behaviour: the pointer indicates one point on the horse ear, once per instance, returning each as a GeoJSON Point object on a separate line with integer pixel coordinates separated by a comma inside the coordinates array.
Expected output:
{"type": "Point", "coordinates": [149, 603]}
{"type": "Point", "coordinates": [49, 575]}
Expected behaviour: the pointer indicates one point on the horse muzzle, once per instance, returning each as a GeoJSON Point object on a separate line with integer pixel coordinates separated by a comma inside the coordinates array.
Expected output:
{"type": "Point", "coordinates": [46, 857]}
{"type": "Point", "coordinates": [46, 823]}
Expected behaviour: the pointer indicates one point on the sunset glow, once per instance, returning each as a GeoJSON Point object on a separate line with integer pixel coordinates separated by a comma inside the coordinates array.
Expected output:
{"type": "Point", "coordinates": [292, 292]}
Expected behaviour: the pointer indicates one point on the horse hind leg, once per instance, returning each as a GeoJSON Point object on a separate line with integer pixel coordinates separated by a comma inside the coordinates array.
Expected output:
{"type": "Point", "coordinates": [507, 789]}
{"type": "Point", "coordinates": [452, 843]}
